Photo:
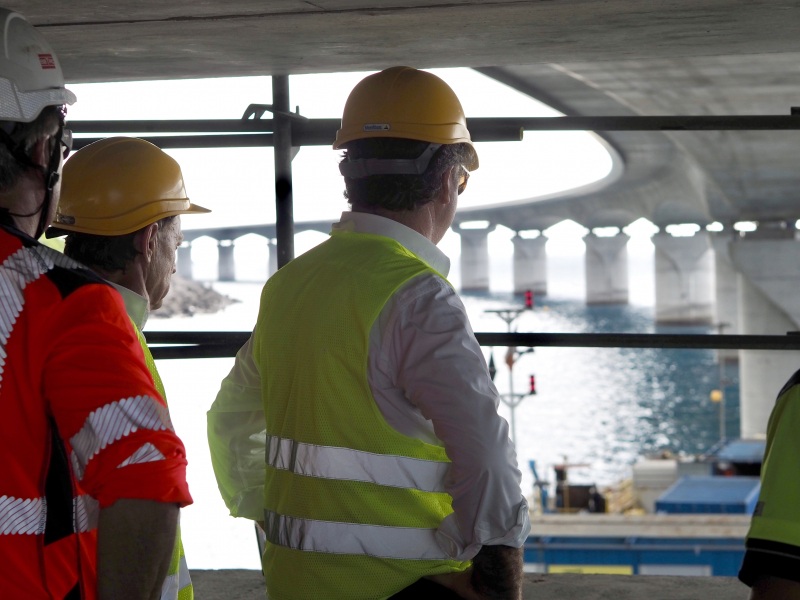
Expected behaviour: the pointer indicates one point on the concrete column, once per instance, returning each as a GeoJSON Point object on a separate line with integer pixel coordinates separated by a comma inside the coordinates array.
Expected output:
{"type": "Point", "coordinates": [726, 313]}
{"type": "Point", "coordinates": [530, 265]}
{"type": "Point", "coordinates": [185, 261]}
{"type": "Point", "coordinates": [684, 279]}
{"type": "Point", "coordinates": [227, 265]}
{"type": "Point", "coordinates": [769, 304]}
{"type": "Point", "coordinates": [606, 269]}
{"type": "Point", "coordinates": [272, 265]}
{"type": "Point", "coordinates": [475, 258]}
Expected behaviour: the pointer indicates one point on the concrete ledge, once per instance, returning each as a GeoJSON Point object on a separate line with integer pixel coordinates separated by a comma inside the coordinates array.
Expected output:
{"type": "Point", "coordinates": [240, 584]}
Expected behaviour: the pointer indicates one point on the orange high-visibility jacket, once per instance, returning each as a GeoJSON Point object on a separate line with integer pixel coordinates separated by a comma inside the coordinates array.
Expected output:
{"type": "Point", "coordinates": [81, 423]}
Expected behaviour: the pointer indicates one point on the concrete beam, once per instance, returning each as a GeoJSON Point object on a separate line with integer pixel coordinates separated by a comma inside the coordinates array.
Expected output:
{"type": "Point", "coordinates": [684, 279]}
{"type": "Point", "coordinates": [769, 277]}
{"type": "Point", "coordinates": [606, 269]}
{"type": "Point", "coordinates": [185, 261]}
{"type": "Point", "coordinates": [474, 258]}
{"type": "Point", "coordinates": [227, 265]}
{"type": "Point", "coordinates": [272, 266]}
{"type": "Point", "coordinates": [530, 264]}
{"type": "Point", "coordinates": [726, 308]}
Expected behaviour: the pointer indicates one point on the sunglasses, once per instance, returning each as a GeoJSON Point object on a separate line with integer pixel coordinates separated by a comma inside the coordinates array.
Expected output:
{"type": "Point", "coordinates": [66, 142]}
{"type": "Point", "coordinates": [462, 181]}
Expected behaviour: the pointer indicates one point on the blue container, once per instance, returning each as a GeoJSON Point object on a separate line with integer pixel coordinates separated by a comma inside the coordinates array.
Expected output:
{"type": "Point", "coordinates": [634, 556]}
{"type": "Point", "coordinates": [711, 495]}
{"type": "Point", "coordinates": [743, 451]}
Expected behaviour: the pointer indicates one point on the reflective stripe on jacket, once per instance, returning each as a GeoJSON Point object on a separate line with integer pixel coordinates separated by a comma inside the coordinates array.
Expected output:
{"type": "Point", "coordinates": [351, 505]}
{"type": "Point", "coordinates": [178, 584]}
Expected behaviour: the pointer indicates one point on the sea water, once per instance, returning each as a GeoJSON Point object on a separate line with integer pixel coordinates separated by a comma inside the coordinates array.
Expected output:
{"type": "Point", "coordinates": [602, 407]}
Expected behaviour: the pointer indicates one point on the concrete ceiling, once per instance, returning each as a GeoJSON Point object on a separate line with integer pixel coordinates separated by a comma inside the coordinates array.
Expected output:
{"type": "Point", "coordinates": [676, 177]}
{"type": "Point", "coordinates": [147, 39]}
{"type": "Point", "coordinates": [584, 57]}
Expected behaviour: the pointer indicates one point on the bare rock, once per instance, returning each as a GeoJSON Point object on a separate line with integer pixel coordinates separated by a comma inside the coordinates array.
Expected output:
{"type": "Point", "coordinates": [187, 298]}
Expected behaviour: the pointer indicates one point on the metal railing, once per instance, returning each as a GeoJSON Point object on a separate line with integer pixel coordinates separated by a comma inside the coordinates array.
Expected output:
{"type": "Point", "coordinates": [222, 344]}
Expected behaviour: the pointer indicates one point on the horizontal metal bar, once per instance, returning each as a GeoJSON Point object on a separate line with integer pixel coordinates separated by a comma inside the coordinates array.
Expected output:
{"type": "Point", "coordinates": [240, 140]}
{"type": "Point", "coordinates": [219, 344]}
{"type": "Point", "coordinates": [229, 338]}
{"type": "Point", "coordinates": [174, 126]}
{"type": "Point", "coordinates": [641, 340]}
{"type": "Point", "coordinates": [322, 132]}
{"type": "Point", "coordinates": [196, 351]}
{"type": "Point", "coordinates": [665, 123]}
{"type": "Point", "coordinates": [627, 547]}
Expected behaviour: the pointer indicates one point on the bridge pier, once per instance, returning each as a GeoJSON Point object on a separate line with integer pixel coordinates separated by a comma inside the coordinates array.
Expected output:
{"type": "Point", "coordinates": [769, 276]}
{"type": "Point", "coordinates": [684, 279]}
{"type": "Point", "coordinates": [227, 265]}
{"type": "Point", "coordinates": [606, 269]}
{"type": "Point", "coordinates": [272, 261]}
{"type": "Point", "coordinates": [530, 264]}
{"type": "Point", "coordinates": [185, 260]}
{"type": "Point", "coordinates": [726, 312]}
{"type": "Point", "coordinates": [475, 258]}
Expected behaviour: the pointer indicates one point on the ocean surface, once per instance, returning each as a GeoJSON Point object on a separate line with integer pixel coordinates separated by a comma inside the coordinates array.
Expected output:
{"type": "Point", "coordinates": [596, 406]}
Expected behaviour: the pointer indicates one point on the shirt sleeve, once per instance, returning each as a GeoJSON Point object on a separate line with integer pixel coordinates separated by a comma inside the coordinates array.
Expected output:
{"type": "Point", "coordinates": [116, 426]}
{"type": "Point", "coordinates": [439, 364]}
{"type": "Point", "coordinates": [773, 542]}
{"type": "Point", "coordinates": [237, 437]}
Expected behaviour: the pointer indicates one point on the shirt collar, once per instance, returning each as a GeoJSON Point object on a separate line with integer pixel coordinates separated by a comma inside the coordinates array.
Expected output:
{"type": "Point", "coordinates": [412, 241]}
{"type": "Point", "coordinates": [137, 307]}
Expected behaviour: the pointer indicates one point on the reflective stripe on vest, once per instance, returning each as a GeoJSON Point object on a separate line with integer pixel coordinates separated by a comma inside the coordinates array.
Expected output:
{"type": "Point", "coordinates": [22, 516]}
{"type": "Point", "coordinates": [407, 543]}
{"type": "Point", "coordinates": [330, 462]}
{"type": "Point", "coordinates": [177, 582]}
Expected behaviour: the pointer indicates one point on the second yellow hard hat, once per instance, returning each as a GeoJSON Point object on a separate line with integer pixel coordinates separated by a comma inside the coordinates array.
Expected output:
{"type": "Point", "coordinates": [402, 102]}
{"type": "Point", "coordinates": [120, 185]}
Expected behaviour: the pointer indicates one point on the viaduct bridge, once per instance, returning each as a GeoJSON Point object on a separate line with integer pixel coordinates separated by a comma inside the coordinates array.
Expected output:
{"type": "Point", "coordinates": [616, 58]}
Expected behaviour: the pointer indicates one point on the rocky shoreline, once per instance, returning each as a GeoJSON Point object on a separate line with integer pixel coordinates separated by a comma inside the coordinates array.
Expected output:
{"type": "Point", "coordinates": [187, 298]}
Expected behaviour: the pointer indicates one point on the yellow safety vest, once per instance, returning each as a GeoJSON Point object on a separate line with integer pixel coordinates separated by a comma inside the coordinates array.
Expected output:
{"type": "Point", "coordinates": [178, 584]}
{"type": "Point", "coordinates": [351, 505]}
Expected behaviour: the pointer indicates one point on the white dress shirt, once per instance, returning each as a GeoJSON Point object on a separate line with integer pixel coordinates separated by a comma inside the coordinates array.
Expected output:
{"type": "Point", "coordinates": [430, 381]}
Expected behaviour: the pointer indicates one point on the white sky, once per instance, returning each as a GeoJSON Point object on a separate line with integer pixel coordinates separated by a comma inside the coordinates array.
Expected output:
{"type": "Point", "coordinates": [237, 184]}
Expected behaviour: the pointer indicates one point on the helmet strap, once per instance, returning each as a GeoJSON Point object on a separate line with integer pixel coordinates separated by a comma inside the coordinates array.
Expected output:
{"type": "Point", "coordinates": [365, 167]}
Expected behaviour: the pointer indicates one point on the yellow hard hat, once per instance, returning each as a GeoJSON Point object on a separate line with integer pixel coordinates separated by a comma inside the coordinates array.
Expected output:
{"type": "Point", "coordinates": [120, 185]}
{"type": "Point", "coordinates": [402, 102]}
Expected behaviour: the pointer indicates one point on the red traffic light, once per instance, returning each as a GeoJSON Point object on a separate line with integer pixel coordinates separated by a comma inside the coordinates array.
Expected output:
{"type": "Point", "coordinates": [529, 299]}
{"type": "Point", "coordinates": [533, 385]}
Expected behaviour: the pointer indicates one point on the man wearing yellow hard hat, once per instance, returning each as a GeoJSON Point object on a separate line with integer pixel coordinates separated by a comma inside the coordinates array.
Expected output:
{"type": "Point", "coordinates": [359, 424]}
{"type": "Point", "coordinates": [120, 206]}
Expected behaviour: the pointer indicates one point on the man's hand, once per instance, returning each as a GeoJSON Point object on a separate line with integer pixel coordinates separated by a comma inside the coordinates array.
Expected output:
{"type": "Point", "coordinates": [458, 582]}
{"type": "Point", "coordinates": [497, 573]}
{"type": "Point", "coordinates": [135, 540]}
{"type": "Point", "coordinates": [775, 588]}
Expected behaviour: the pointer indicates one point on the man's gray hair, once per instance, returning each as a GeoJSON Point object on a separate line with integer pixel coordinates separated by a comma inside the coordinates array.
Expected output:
{"type": "Point", "coordinates": [401, 192]}
{"type": "Point", "coordinates": [26, 134]}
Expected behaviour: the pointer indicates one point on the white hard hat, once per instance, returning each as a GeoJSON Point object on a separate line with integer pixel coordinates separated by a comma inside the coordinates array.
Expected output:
{"type": "Point", "coordinates": [30, 74]}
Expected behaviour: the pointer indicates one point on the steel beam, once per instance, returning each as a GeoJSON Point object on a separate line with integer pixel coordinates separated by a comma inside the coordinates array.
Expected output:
{"type": "Point", "coordinates": [322, 132]}
{"type": "Point", "coordinates": [282, 138]}
{"type": "Point", "coordinates": [187, 344]}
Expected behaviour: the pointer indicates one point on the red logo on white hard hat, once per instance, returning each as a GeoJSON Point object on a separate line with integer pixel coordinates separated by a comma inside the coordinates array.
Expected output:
{"type": "Point", "coordinates": [47, 61]}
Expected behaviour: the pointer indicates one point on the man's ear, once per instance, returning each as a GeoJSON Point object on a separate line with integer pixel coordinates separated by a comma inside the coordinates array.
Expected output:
{"type": "Point", "coordinates": [41, 152]}
{"type": "Point", "coordinates": [448, 184]}
{"type": "Point", "coordinates": [145, 241]}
